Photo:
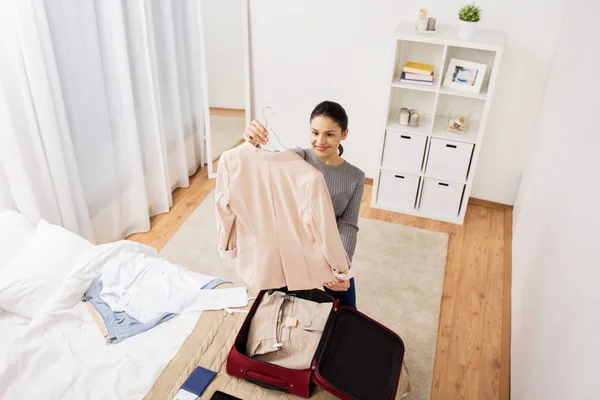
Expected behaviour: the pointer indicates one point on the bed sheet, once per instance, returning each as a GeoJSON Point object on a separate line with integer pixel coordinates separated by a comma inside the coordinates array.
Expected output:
{"type": "Point", "coordinates": [12, 326]}
{"type": "Point", "coordinates": [61, 354]}
{"type": "Point", "coordinates": [71, 360]}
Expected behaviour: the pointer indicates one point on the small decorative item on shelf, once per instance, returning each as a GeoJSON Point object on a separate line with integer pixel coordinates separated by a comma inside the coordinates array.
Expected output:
{"type": "Point", "coordinates": [408, 117]}
{"type": "Point", "coordinates": [404, 116]}
{"type": "Point", "coordinates": [415, 118]}
{"type": "Point", "coordinates": [465, 75]}
{"type": "Point", "coordinates": [431, 25]}
{"type": "Point", "coordinates": [421, 24]}
{"type": "Point", "coordinates": [424, 24]}
{"type": "Point", "coordinates": [469, 15]}
{"type": "Point", "coordinates": [457, 125]}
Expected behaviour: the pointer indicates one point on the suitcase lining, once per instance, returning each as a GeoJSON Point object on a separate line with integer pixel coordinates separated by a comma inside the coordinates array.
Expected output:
{"type": "Point", "coordinates": [354, 368]}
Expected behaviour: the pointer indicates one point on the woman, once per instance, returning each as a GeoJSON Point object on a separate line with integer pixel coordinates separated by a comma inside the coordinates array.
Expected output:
{"type": "Point", "coordinates": [328, 127]}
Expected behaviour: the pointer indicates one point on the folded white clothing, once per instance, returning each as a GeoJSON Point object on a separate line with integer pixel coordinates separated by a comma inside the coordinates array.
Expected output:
{"type": "Point", "coordinates": [146, 286]}
{"type": "Point", "coordinates": [201, 300]}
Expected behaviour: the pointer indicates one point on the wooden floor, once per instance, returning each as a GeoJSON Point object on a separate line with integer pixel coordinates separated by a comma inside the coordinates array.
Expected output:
{"type": "Point", "coordinates": [472, 356]}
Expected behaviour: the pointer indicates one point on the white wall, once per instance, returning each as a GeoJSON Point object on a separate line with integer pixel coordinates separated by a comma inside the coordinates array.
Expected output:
{"type": "Point", "coordinates": [556, 245]}
{"type": "Point", "coordinates": [224, 52]}
{"type": "Point", "coordinates": [307, 51]}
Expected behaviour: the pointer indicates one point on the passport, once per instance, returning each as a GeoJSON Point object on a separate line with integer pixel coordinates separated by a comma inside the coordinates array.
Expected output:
{"type": "Point", "coordinates": [195, 384]}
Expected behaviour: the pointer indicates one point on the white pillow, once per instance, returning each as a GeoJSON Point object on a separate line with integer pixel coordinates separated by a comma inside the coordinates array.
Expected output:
{"type": "Point", "coordinates": [15, 233]}
{"type": "Point", "coordinates": [39, 269]}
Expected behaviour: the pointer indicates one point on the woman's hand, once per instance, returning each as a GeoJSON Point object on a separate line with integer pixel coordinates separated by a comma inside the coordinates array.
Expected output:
{"type": "Point", "coordinates": [256, 133]}
{"type": "Point", "coordinates": [338, 285]}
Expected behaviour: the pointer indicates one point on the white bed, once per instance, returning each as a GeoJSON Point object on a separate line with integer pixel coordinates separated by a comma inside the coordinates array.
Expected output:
{"type": "Point", "coordinates": [55, 350]}
{"type": "Point", "coordinates": [12, 326]}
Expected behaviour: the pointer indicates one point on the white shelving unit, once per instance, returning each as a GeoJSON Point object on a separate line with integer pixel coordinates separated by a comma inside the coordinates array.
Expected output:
{"type": "Point", "coordinates": [426, 170]}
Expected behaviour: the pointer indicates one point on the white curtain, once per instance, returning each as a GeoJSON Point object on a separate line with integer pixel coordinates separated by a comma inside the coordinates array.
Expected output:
{"type": "Point", "coordinates": [101, 111]}
{"type": "Point", "coordinates": [6, 200]}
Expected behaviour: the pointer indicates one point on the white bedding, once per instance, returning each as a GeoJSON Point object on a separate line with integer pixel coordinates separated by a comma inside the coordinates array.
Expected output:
{"type": "Point", "coordinates": [146, 286]}
{"type": "Point", "coordinates": [12, 326]}
{"type": "Point", "coordinates": [61, 354]}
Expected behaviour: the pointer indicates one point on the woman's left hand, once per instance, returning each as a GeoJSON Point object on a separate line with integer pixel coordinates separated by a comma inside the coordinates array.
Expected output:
{"type": "Point", "coordinates": [338, 285]}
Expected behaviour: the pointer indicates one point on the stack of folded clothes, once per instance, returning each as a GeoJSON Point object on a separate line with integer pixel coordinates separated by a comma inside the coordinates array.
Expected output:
{"type": "Point", "coordinates": [139, 290]}
{"type": "Point", "coordinates": [286, 330]}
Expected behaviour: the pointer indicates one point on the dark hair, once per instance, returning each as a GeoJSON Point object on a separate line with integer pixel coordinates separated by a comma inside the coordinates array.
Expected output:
{"type": "Point", "coordinates": [334, 111]}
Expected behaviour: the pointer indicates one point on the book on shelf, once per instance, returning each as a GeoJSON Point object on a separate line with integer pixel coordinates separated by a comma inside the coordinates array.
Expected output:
{"type": "Point", "coordinates": [416, 77]}
{"type": "Point", "coordinates": [403, 79]}
{"type": "Point", "coordinates": [418, 68]}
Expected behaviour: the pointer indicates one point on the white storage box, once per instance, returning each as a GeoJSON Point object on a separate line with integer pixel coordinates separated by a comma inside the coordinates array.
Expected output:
{"type": "Point", "coordinates": [441, 199]}
{"type": "Point", "coordinates": [397, 191]}
{"type": "Point", "coordinates": [404, 152]}
{"type": "Point", "coordinates": [449, 160]}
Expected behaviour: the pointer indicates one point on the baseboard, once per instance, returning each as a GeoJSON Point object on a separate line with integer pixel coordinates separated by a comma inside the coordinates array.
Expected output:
{"type": "Point", "coordinates": [490, 204]}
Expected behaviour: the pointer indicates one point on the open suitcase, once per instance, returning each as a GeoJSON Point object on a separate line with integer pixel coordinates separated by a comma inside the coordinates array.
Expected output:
{"type": "Point", "coordinates": [356, 358]}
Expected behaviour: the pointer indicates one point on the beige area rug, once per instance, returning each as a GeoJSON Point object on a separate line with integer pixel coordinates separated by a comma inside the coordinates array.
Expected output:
{"type": "Point", "coordinates": [226, 133]}
{"type": "Point", "coordinates": [399, 279]}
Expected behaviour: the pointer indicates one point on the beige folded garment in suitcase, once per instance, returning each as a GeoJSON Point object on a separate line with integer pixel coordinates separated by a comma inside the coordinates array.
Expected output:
{"type": "Point", "coordinates": [286, 330]}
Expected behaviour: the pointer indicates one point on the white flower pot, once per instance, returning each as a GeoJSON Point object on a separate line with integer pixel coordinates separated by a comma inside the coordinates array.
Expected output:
{"type": "Point", "coordinates": [466, 30]}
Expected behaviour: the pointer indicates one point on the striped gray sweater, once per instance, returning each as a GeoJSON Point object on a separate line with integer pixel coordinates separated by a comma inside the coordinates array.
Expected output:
{"type": "Point", "coordinates": [345, 183]}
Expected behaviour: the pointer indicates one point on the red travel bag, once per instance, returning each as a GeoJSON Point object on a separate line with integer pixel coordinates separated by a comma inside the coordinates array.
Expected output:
{"type": "Point", "coordinates": [357, 357]}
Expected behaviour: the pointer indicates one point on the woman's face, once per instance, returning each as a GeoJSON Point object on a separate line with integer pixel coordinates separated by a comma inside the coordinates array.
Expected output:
{"type": "Point", "coordinates": [325, 136]}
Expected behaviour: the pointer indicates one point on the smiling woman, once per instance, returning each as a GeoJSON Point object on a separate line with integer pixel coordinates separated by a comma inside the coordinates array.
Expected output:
{"type": "Point", "coordinates": [345, 182]}
{"type": "Point", "coordinates": [329, 126]}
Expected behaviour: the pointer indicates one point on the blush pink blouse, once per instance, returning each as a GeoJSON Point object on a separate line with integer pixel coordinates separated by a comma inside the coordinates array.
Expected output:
{"type": "Point", "coordinates": [275, 216]}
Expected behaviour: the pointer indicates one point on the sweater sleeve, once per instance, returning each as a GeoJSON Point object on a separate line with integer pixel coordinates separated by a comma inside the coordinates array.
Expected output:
{"type": "Point", "coordinates": [226, 233]}
{"type": "Point", "coordinates": [301, 152]}
{"type": "Point", "coordinates": [325, 230]}
{"type": "Point", "coordinates": [348, 221]}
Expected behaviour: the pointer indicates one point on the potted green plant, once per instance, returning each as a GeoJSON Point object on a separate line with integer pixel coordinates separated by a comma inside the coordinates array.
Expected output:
{"type": "Point", "coordinates": [469, 15]}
